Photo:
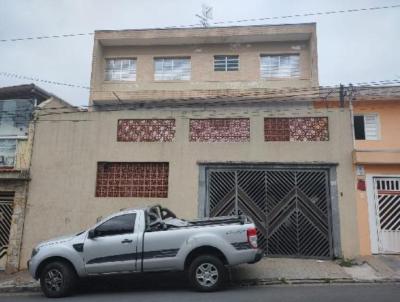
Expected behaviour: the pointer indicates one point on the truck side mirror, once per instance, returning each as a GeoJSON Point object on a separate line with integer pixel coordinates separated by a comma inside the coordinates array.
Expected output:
{"type": "Point", "coordinates": [91, 234]}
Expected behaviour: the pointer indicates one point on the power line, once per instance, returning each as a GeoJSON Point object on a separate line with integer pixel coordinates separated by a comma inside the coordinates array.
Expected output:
{"type": "Point", "coordinates": [36, 79]}
{"type": "Point", "coordinates": [374, 8]}
{"type": "Point", "coordinates": [310, 14]}
{"type": "Point", "coordinates": [46, 37]}
{"type": "Point", "coordinates": [270, 90]}
{"type": "Point", "coordinates": [260, 94]}
{"type": "Point", "coordinates": [206, 102]}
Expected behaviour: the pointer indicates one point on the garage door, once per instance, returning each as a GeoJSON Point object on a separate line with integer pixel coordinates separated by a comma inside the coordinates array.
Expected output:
{"type": "Point", "coordinates": [290, 206]}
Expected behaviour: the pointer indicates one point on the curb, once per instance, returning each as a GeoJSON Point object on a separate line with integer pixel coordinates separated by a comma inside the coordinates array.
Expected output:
{"type": "Point", "coordinates": [283, 281]}
{"type": "Point", "coordinates": [20, 289]}
{"type": "Point", "coordinates": [243, 283]}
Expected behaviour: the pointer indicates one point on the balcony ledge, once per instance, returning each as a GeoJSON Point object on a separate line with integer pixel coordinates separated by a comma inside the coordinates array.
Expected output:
{"type": "Point", "coordinates": [377, 156]}
{"type": "Point", "coordinates": [13, 174]}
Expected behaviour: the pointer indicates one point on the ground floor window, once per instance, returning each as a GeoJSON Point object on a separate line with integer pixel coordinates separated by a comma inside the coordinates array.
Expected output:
{"type": "Point", "coordinates": [132, 179]}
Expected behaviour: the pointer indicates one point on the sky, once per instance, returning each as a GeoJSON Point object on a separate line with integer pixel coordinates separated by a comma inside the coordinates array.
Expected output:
{"type": "Point", "coordinates": [352, 47]}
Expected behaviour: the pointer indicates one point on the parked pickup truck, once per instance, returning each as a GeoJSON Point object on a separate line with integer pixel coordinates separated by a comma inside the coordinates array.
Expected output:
{"type": "Point", "coordinates": [150, 239]}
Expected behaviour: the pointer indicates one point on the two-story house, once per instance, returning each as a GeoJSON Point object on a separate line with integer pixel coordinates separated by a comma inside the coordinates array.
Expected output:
{"type": "Point", "coordinates": [206, 121]}
{"type": "Point", "coordinates": [376, 157]}
{"type": "Point", "coordinates": [17, 107]}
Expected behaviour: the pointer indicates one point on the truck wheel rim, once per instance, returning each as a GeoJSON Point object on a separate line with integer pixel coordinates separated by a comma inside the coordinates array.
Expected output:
{"type": "Point", "coordinates": [207, 274]}
{"type": "Point", "coordinates": [54, 280]}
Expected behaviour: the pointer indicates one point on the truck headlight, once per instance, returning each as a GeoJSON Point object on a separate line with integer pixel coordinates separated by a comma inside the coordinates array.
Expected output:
{"type": "Point", "coordinates": [34, 252]}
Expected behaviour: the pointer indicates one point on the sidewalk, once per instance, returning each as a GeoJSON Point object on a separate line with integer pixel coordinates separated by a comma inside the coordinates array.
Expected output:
{"type": "Point", "coordinates": [274, 271]}
{"type": "Point", "coordinates": [301, 271]}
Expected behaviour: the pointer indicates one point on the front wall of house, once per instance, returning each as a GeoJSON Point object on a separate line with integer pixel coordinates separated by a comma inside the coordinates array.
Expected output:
{"type": "Point", "coordinates": [381, 158]}
{"type": "Point", "coordinates": [203, 77]}
{"type": "Point", "coordinates": [66, 156]}
{"type": "Point", "coordinates": [389, 125]}
{"type": "Point", "coordinates": [362, 203]}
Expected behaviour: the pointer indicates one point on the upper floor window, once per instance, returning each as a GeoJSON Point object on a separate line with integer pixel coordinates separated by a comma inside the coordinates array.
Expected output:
{"type": "Point", "coordinates": [7, 153]}
{"type": "Point", "coordinates": [280, 66]}
{"type": "Point", "coordinates": [120, 70]}
{"type": "Point", "coordinates": [170, 69]}
{"type": "Point", "coordinates": [226, 63]}
{"type": "Point", "coordinates": [15, 116]}
{"type": "Point", "coordinates": [366, 127]}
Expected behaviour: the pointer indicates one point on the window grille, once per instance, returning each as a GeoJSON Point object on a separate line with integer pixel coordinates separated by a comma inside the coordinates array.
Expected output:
{"type": "Point", "coordinates": [226, 63]}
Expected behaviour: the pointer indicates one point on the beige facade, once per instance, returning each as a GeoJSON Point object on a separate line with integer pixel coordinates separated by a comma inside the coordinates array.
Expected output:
{"type": "Point", "coordinates": [69, 148]}
{"type": "Point", "coordinates": [200, 45]}
{"type": "Point", "coordinates": [62, 193]}
{"type": "Point", "coordinates": [16, 140]}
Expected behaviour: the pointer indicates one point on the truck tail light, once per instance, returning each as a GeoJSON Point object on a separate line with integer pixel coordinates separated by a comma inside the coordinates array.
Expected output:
{"type": "Point", "coordinates": [252, 237]}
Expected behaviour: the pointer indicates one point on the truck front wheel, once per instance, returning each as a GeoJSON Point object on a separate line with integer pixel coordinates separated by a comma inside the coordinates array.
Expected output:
{"type": "Point", "coordinates": [57, 279]}
{"type": "Point", "coordinates": [207, 273]}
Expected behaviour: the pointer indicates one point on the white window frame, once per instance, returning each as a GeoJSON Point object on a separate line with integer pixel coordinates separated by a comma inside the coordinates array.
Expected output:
{"type": "Point", "coordinates": [378, 127]}
{"type": "Point", "coordinates": [274, 74]}
{"type": "Point", "coordinates": [223, 62]}
{"type": "Point", "coordinates": [169, 74]}
{"type": "Point", "coordinates": [118, 74]}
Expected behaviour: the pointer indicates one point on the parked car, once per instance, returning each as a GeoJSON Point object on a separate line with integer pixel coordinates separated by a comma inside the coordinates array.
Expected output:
{"type": "Point", "coordinates": [143, 240]}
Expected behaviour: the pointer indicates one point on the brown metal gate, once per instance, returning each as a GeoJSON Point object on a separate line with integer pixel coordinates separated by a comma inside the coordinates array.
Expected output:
{"type": "Point", "coordinates": [6, 211]}
{"type": "Point", "coordinates": [290, 206]}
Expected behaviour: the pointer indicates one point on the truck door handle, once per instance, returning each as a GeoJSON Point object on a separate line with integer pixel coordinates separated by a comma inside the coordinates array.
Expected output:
{"type": "Point", "coordinates": [126, 241]}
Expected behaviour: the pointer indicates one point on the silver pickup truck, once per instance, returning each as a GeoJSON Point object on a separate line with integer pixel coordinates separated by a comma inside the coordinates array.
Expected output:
{"type": "Point", "coordinates": [150, 239]}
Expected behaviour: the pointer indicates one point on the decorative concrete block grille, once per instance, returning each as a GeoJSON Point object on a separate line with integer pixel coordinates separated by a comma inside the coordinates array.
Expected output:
{"type": "Point", "coordinates": [146, 130]}
{"type": "Point", "coordinates": [297, 129]}
{"type": "Point", "coordinates": [220, 130]}
{"type": "Point", "coordinates": [132, 179]}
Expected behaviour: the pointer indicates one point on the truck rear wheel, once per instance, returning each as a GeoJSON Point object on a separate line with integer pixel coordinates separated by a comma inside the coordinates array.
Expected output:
{"type": "Point", "coordinates": [57, 279]}
{"type": "Point", "coordinates": [207, 273]}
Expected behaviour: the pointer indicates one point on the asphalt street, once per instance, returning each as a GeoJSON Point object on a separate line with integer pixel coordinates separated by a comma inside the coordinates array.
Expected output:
{"type": "Point", "coordinates": [304, 293]}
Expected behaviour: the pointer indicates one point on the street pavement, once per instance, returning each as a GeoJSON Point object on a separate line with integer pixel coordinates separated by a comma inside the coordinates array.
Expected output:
{"type": "Point", "coordinates": [282, 293]}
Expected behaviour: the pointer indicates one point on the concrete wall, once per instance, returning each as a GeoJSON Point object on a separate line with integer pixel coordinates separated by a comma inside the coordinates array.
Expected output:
{"type": "Point", "coordinates": [247, 42]}
{"type": "Point", "coordinates": [62, 192]}
{"type": "Point", "coordinates": [378, 157]}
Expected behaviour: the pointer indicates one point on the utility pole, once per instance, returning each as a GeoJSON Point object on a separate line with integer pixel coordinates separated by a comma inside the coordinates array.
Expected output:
{"type": "Point", "coordinates": [341, 96]}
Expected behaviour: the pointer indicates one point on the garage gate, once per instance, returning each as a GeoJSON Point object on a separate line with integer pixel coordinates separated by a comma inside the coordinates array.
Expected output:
{"type": "Point", "coordinates": [290, 206]}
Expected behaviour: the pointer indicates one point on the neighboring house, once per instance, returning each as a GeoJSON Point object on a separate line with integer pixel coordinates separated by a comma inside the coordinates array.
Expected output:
{"type": "Point", "coordinates": [206, 121]}
{"type": "Point", "coordinates": [376, 156]}
{"type": "Point", "coordinates": [17, 106]}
